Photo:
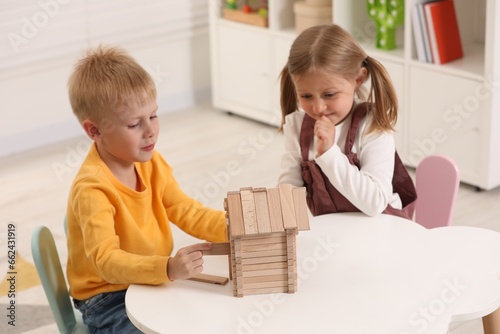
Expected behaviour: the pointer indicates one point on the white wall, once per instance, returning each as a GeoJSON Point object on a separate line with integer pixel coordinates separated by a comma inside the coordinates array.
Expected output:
{"type": "Point", "coordinates": [40, 41]}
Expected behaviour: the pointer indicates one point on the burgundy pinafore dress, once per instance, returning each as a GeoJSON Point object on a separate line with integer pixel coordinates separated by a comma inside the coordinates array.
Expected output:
{"type": "Point", "coordinates": [322, 197]}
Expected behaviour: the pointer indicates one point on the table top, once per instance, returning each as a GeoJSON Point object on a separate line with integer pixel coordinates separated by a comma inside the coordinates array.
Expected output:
{"type": "Point", "coordinates": [356, 274]}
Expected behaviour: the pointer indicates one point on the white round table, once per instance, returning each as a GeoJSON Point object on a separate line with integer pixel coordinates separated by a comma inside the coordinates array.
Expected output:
{"type": "Point", "coordinates": [357, 274]}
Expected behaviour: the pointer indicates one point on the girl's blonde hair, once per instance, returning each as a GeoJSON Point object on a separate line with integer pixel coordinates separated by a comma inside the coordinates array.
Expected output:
{"type": "Point", "coordinates": [106, 78]}
{"type": "Point", "coordinates": [332, 49]}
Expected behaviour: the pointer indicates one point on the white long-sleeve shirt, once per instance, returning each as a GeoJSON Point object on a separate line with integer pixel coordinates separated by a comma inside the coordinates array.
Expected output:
{"type": "Point", "coordinates": [368, 188]}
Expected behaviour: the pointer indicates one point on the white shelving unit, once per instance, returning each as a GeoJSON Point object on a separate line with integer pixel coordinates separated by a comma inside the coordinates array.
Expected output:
{"type": "Point", "coordinates": [246, 61]}
{"type": "Point", "coordinates": [451, 109]}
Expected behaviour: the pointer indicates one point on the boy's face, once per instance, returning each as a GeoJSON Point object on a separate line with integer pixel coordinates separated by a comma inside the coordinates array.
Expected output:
{"type": "Point", "coordinates": [128, 135]}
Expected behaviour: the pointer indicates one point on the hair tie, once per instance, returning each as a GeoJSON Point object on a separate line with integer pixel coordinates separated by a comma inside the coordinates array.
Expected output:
{"type": "Point", "coordinates": [365, 61]}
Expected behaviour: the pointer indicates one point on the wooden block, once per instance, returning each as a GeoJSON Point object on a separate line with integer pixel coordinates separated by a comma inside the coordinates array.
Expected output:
{"type": "Point", "coordinates": [301, 209]}
{"type": "Point", "coordinates": [264, 247]}
{"type": "Point", "coordinates": [266, 266]}
{"type": "Point", "coordinates": [266, 290]}
{"type": "Point", "coordinates": [248, 208]}
{"type": "Point", "coordinates": [263, 254]}
{"type": "Point", "coordinates": [271, 279]}
{"type": "Point", "coordinates": [275, 215]}
{"type": "Point", "coordinates": [287, 206]}
{"type": "Point", "coordinates": [262, 210]}
{"type": "Point", "coordinates": [218, 248]}
{"type": "Point", "coordinates": [266, 272]}
{"type": "Point", "coordinates": [263, 239]}
{"type": "Point", "coordinates": [260, 285]}
{"type": "Point", "coordinates": [291, 243]}
{"type": "Point", "coordinates": [205, 278]}
{"type": "Point", "coordinates": [235, 214]}
{"type": "Point", "coordinates": [262, 260]}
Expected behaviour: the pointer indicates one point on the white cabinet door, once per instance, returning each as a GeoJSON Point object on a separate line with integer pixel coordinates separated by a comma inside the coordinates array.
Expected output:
{"type": "Point", "coordinates": [444, 118]}
{"type": "Point", "coordinates": [243, 67]}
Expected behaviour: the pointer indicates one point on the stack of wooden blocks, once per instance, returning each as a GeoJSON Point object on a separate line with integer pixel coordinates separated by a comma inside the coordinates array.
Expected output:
{"type": "Point", "coordinates": [262, 228]}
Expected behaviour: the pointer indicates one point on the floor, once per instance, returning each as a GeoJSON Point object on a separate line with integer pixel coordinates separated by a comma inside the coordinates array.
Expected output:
{"type": "Point", "coordinates": [211, 152]}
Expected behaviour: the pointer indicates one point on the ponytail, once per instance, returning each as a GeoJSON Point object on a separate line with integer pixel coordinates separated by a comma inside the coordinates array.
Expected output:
{"type": "Point", "coordinates": [288, 98]}
{"type": "Point", "coordinates": [382, 95]}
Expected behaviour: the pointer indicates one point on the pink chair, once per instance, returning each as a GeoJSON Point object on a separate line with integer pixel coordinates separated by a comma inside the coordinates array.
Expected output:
{"type": "Point", "coordinates": [436, 181]}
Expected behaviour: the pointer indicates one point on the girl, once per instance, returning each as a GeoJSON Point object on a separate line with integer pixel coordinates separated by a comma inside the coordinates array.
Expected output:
{"type": "Point", "coordinates": [340, 145]}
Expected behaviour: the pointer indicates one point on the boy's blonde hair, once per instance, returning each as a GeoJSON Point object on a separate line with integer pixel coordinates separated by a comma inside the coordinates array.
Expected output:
{"type": "Point", "coordinates": [106, 78]}
{"type": "Point", "coordinates": [331, 49]}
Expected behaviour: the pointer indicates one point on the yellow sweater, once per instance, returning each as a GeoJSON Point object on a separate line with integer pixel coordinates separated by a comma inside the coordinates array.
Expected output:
{"type": "Point", "coordinates": [118, 236]}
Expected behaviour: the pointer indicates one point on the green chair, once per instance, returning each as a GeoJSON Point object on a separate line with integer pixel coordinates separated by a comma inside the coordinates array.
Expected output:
{"type": "Point", "coordinates": [49, 269]}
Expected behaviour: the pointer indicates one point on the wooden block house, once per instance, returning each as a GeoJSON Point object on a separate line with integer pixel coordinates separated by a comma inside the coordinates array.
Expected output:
{"type": "Point", "coordinates": [262, 228]}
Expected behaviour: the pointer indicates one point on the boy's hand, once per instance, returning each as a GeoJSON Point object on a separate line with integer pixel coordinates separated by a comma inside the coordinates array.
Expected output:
{"type": "Point", "coordinates": [188, 261]}
{"type": "Point", "coordinates": [324, 130]}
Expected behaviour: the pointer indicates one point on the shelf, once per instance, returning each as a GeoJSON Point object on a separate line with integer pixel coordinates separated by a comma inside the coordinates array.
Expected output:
{"type": "Point", "coordinates": [247, 18]}
{"type": "Point", "coordinates": [396, 55]}
{"type": "Point", "coordinates": [470, 66]}
{"type": "Point", "coordinates": [433, 98]}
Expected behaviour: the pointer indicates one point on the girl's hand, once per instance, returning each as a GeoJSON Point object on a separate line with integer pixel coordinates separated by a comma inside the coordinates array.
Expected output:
{"type": "Point", "coordinates": [188, 261]}
{"type": "Point", "coordinates": [324, 130]}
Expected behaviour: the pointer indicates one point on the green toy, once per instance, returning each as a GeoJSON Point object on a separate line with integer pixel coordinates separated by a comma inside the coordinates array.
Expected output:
{"type": "Point", "coordinates": [231, 4]}
{"type": "Point", "coordinates": [388, 15]}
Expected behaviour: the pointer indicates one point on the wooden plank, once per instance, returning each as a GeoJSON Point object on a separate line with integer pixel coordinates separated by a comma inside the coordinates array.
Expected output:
{"type": "Point", "coordinates": [266, 266]}
{"type": "Point", "coordinates": [260, 285]}
{"type": "Point", "coordinates": [248, 292]}
{"type": "Point", "coordinates": [256, 260]}
{"type": "Point", "coordinates": [218, 248]}
{"type": "Point", "coordinates": [264, 239]}
{"type": "Point", "coordinates": [271, 279]}
{"type": "Point", "coordinates": [262, 210]}
{"type": "Point", "coordinates": [263, 247]}
{"type": "Point", "coordinates": [248, 207]}
{"type": "Point", "coordinates": [268, 272]}
{"type": "Point", "coordinates": [291, 244]}
{"type": "Point", "coordinates": [206, 278]}
{"type": "Point", "coordinates": [275, 215]}
{"type": "Point", "coordinates": [269, 253]}
{"type": "Point", "coordinates": [235, 214]}
{"type": "Point", "coordinates": [301, 209]}
{"type": "Point", "coordinates": [287, 206]}
{"type": "Point", "coordinates": [230, 257]}
{"type": "Point", "coordinates": [237, 265]}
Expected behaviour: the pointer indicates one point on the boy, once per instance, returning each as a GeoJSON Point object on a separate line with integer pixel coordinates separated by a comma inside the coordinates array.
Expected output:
{"type": "Point", "coordinates": [124, 195]}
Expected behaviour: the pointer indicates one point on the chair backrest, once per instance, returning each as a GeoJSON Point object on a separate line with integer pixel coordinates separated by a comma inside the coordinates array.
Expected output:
{"type": "Point", "coordinates": [436, 180]}
{"type": "Point", "coordinates": [48, 266]}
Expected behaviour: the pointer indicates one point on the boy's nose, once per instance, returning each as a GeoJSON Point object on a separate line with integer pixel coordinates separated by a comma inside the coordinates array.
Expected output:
{"type": "Point", "coordinates": [150, 131]}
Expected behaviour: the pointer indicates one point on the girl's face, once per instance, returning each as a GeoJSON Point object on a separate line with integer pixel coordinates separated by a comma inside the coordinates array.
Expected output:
{"type": "Point", "coordinates": [322, 94]}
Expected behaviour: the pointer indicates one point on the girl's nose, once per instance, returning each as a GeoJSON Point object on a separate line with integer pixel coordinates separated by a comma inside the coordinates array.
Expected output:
{"type": "Point", "coordinates": [319, 107]}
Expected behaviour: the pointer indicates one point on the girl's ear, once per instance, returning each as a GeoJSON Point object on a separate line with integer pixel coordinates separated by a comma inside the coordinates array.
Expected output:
{"type": "Point", "coordinates": [361, 77]}
{"type": "Point", "coordinates": [91, 129]}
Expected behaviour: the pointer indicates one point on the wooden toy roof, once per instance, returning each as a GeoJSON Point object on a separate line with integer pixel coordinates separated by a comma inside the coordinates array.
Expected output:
{"type": "Point", "coordinates": [253, 211]}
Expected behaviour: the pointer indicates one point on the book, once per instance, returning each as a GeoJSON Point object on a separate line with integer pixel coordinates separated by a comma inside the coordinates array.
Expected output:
{"type": "Point", "coordinates": [444, 34]}
{"type": "Point", "coordinates": [425, 33]}
{"type": "Point", "coordinates": [418, 33]}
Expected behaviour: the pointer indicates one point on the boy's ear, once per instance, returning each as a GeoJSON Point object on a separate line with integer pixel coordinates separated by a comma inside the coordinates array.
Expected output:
{"type": "Point", "coordinates": [91, 129]}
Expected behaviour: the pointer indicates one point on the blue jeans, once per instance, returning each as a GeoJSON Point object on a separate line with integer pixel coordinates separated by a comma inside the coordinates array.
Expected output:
{"type": "Point", "coordinates": [105, 314]}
